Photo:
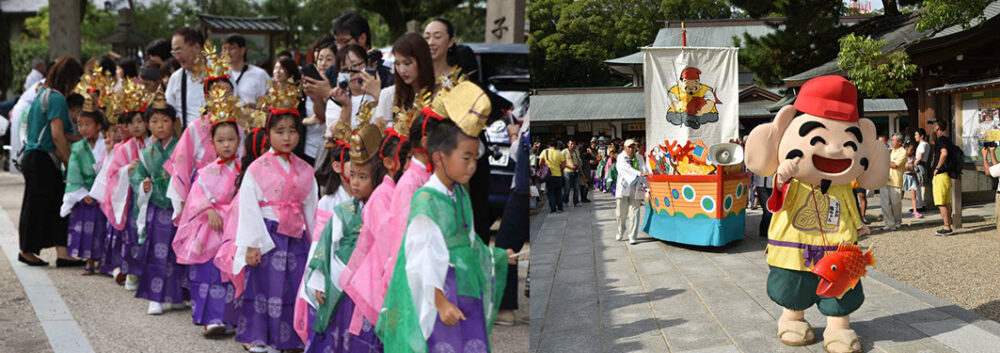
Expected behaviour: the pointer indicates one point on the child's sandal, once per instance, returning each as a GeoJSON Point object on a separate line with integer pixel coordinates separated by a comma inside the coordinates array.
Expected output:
{"type": "Point", "coordinates": [87, 271]}
{"type": "Point", "coordinates": [841, 341]}
{"type": "Point", "coordinates": [801, 334]}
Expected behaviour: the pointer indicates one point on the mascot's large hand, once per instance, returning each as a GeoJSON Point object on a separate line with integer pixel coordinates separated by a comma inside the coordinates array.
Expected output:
{"type": "Point", "coordinates": [826, 145]}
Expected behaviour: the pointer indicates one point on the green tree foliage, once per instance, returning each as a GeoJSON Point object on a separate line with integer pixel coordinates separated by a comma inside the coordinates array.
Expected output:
{"type": "Point", "coordinates": [571, 39]}
{"type": "Point", "coordinates": [696, 10]}
{"type": "Point", "coordinates": [805, 39]}
{"type": "Point", "coordinates": [397, 13]}
{"type": "Point", "coordinates": [939, 14]}
{"type": "Point", "coordinates": [876, 74]}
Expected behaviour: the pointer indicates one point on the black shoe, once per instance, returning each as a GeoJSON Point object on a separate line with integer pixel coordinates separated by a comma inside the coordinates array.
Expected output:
{"type": "Point", "coordinates": [70, 263]}
{"type": "Point", "coordinates": [39, 262]}
{"type": "Point", "coordinates": [943, 231]}
{"type": "Point", "coordinates": [585, 201]}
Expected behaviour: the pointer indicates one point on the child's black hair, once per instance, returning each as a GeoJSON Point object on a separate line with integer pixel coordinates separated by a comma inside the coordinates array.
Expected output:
{"type": "Point", "coordinates": [273, 121]}
{"type": "Point", "coordinates": [169, 111]}
{"type": "Point", "coordinates": [255, 145]}
{"type": "Point", "coordinates": [391, 147]}
{"type": "Point", "coordinates": [403, 156]}
{"type": "Point", "coordinates": [444, 138]}
{"type": "Point", "coordinates": [96, 115]}
{"type": "Point", "coordinates": [325, 174]}
{"type": "Point", "coordinates": [419, 129]}
{"type": "Point", "coordinates": [74, 100]}
{"type": "Point", "coordinates": [215, 127]}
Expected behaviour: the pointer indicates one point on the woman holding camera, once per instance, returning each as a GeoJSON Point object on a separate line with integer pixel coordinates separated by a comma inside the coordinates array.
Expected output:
{"type": "Point", "coordinates": [356, 86]}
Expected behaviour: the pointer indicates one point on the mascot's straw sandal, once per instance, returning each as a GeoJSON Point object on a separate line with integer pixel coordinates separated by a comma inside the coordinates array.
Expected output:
{"type": "Point", "coordinates": [798, 333]}
{"type": "Point", "coordinates": [841, 341]}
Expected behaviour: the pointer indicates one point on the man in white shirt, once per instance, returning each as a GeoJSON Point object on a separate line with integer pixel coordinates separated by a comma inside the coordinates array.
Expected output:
{"type": "Point", "coordinates": [184, 90]}
{"type": "Point", "coordinates": [249, 82]}
{"type": "Point", "coordinates": [629, 193]}
{"type": "Point", "coordinates": [37, 73]}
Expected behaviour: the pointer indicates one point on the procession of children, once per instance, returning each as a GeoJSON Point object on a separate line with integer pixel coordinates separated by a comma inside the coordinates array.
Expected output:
{"type": "Point", "coordinates": [377, 253]}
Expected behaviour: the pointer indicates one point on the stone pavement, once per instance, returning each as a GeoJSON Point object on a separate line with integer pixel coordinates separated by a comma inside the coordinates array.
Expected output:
{"type": "Point", "coordinates": [591, 293]}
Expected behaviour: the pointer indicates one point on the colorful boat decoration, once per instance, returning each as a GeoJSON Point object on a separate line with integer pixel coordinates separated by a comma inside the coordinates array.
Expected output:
{"type": "Point", "coordinates": [707, 210]}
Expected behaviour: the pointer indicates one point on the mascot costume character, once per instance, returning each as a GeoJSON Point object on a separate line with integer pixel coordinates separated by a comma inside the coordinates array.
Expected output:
{"type": "Point", "coordinates": [818, 154]}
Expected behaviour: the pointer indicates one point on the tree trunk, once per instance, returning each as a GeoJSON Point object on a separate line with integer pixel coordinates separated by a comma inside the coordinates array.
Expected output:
{"type": "Point", "coordinates": [64, 28]}
{"type": "Point", "coordinates": [891, 7]}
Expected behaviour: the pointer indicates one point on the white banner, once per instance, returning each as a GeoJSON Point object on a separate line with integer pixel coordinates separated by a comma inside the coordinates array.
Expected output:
{"type": "Point", "coordinates": [691, 94]}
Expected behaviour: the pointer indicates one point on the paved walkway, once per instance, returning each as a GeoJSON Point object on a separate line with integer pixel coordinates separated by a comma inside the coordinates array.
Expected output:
{"type": "Point", "coordinates": [591, 293]}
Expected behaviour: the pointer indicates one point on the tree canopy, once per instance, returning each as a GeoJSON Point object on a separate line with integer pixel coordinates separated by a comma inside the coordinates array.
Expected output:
{"type": "Point", "coordinates": [876, 74]}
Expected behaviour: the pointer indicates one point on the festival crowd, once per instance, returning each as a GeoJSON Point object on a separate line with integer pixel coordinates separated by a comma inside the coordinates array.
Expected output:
{"type": "Point", "coordinates": [334, 205]}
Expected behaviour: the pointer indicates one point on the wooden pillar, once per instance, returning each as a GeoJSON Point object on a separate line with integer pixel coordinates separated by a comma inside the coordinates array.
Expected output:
{"type": "Point", "coordinates": [64, 28]}
{"type": "Point", "coordinates": [505, 21]}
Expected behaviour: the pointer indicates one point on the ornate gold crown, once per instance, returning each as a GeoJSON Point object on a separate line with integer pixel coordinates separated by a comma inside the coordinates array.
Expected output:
{"type": "Point", "coordinates": [452, 78]}
{"type": "Point", "coordinates": [159, 99]}
{"type": "Point", "coordinates": [217, 62]}
{"type": "Point", "coordinates": [465, 104]}
{"type": "Point", "coordinates": [131, 98]}
{"type": "Point", "coordinates": [283, 99]}
{"type": "Point", "coordinates": [88, 104]}
{"type": "Point", "coordinates": [96, 85]}
{"type": "Point", "coordinates": [365, 142]}
{"type": "Point", "coordinates": [222, 107]}
{"type": "Point", "coordinates": [404, 118]}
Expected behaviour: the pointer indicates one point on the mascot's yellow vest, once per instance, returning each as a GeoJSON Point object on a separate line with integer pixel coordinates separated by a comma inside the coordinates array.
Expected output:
{"type": "Point", "coordinates": [685, 97]}
{"type": "Point", "coordinates": [796, 234]}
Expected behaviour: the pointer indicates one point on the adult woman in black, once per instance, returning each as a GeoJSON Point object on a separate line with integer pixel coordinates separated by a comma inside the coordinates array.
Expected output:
{"type": "Point", "coordinates": [47, 149]}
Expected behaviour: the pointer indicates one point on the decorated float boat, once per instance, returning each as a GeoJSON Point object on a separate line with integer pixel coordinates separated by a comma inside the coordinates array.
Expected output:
{"type": "Point", "coordinates": [706, 210]}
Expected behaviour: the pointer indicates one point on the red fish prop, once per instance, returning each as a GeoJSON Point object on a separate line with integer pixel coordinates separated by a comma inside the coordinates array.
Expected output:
{"type": "Point", "coordinates": [840, 271]}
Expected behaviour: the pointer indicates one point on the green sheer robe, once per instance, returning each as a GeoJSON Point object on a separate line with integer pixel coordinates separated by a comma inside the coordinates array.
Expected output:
{"type": "Point", "coordinates": [349, 215]}
{"type": "Point", "coordinates": [151, 162]}
{"type": "Point", "coordinates": [80, 173]}
{"type": "Point", "coordinates": [480, 271]}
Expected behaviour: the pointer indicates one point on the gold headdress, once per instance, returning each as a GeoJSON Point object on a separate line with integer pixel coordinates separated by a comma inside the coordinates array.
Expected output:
{"type": "Point", "coordinates": [465, 104]}
{"type": "Point", "coordinates": [217, 62]}
{"type": "Point", "coordinates": [277, 100]}
{"type": "Point", "coordinates": [159, 100]}
{"type": "Point", "coordinates": [222, 107]}
{"type": "Point", "coordinates": [130, 99]}
{"type": "Point", "coordinates": [365, 143]}
{"type": "Point", "coordinates": [404, 118]}
{"type": "Point", "coordinates": [97, 86]}
{"type": "Point", "coordinates": [88, 104]}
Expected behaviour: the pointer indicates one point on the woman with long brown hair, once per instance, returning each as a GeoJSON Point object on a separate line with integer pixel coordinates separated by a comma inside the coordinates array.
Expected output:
{"type": "Point", "coordinates": [413, 71]}
{"type": "Point", "coordinates": [47, 149]}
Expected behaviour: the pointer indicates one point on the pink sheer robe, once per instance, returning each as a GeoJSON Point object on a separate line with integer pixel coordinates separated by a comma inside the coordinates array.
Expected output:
{"type": "Point", "coordinates": [362, 279]}
{"type": "Point", "coordinates": [213, 189]}
{"type": "Point", "coordinates": [194, 151]}
{"type": "Point", "coordinates": [115, 202]}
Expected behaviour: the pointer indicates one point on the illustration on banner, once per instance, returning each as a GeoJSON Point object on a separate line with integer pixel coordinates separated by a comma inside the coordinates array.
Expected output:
{"type": "Point", "coordinates": [692, 103]}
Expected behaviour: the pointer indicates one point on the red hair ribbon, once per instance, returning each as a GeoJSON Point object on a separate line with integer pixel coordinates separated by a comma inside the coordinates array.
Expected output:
{"type": "Point", "coordinates": [257, 151]}
{"type": "Point", "coordinates": [213, 78]}
{"type": "Point", "coordinates": [274, 112]}
{"type": "Point", "coordinates": [390, 132]}
{"type": "Point", "coordinates": [428, 114]}
{"type": "Point", "coordinates": [344, 147]}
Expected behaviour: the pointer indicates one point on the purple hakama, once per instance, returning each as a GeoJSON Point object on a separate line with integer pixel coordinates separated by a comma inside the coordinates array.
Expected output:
{"type": "Point", "coordinates": [338, 339]}
{"type": "Point", "coordinates": [133, 253]}
{"type": "Point", "coordinates": [210, 298]}
{"type": "Point", "coordinates": [267, 304]}
{"type": "Point", "coordinates": [87, 230]}
{"type": "Point", "coordinates": [469, 335]}
{"type": "Point", "coordinates": [162, 278]}
{"type": "Point", "coordinates": [114, 247]}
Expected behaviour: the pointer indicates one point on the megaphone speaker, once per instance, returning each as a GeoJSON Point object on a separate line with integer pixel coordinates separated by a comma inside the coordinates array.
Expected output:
{"type": "Point", "coordinates": [724, 154]}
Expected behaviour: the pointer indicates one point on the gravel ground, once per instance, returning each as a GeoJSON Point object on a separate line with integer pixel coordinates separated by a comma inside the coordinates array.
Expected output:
{"type": "Point", "coordinates": [20, 330]}
{"type": "Point", "coordinates": [960, 269]}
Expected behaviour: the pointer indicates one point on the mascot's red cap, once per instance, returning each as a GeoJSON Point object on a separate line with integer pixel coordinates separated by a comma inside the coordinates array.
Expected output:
{"type": "Point", "coordinates": [691, 73]}
{"type": "Point", "coordinates": [831, 97]}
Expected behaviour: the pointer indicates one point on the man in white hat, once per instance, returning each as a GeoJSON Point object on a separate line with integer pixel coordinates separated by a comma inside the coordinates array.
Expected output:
{"type": "Point", "coordinates": [629, 192]}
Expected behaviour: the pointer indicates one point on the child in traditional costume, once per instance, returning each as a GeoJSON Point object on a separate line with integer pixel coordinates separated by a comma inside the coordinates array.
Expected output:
{"type": "Point", "coordinates": [162, 278]}
{"type": "Point", "coordinates": [277, 198]}
{"type": "Point", "coordinates": [333, 178]}
{"type": "Point", "coordinates": [447, 284]}
{"type": "Point", "coordinates": [194, 149]}
{"type": "Point", "coordinates": [121, 245]}
{"type": "Point", "coordinates": [814, 156]}
{"type": "Point", "coordinates": [334, 249]}
{"type": "Point", "coordinates": [363, 279]}
{"type": "Point", "coordinates": [206, 210]}
{"type": "Point", "coordinates": [87, 225]}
